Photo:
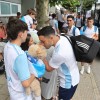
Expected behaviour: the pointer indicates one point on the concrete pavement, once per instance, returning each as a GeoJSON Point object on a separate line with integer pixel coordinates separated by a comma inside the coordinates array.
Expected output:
{"type": "Point", "coordinates": [87, 88]}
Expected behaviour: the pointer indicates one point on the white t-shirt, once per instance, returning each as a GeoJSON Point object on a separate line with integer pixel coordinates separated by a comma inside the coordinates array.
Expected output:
{"type": "Point", "coordinates": [29, 22]}
{"type": "Point", "coordinates": [17, 70]}
{"type": "Point", "coordinates": [88, 14]}
{"type": "Point", "coordinates": [60, 17]}
{"type": "Point", "coordinates": [78, 22]}
{"type": "Point", "coordinates": [90, 31]}
{"type": "Point", "coordinates": [70, 32]}
{"type": "Point", "coordinates": [64, 60]}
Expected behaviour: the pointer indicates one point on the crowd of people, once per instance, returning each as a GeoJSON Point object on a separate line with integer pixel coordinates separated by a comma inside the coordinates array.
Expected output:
{"type": "Point", "coordinates": [62, 74]}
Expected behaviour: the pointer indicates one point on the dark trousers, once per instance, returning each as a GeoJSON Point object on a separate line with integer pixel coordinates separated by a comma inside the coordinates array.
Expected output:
{"type": "Point", "coordinates": [66, 94]}
{"type": "Point", "coordinates": [60, 24]}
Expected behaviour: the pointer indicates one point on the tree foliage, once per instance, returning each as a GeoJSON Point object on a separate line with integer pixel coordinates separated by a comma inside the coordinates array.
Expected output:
{"type": "Point", "coordinates": [72, 4]}
{"type": "Point", "coordinates": [68, 4]}
{"type": "Point", "coordinates": [87, 4]}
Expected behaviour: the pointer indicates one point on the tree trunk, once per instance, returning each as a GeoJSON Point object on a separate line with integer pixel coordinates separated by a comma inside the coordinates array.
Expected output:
{"type": "Point", "coordinates": [42, 12]}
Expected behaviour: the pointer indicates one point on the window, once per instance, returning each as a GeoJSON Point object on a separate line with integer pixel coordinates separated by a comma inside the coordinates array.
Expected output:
{"type": "Point", "coordinates": [5, 8]}
{"type": "Point", "coordinates": [14, 9]}
{"type": "Point", "coordinates": [9, 8]}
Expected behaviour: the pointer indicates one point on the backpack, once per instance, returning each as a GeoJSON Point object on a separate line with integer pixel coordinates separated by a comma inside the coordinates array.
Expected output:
{"type": "Point", "coordinates": [95, 28]}
{"type": "Point", "coordinates": [81, 32]}
{"type": "Point", "coordinates": [85, 49]}
{"type": "Point", "coordinates": [84, 28]}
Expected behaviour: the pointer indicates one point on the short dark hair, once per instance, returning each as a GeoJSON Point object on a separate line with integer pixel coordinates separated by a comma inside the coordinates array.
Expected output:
{"type": "Point", "coordinates": [18, 13]}
{"type": "Point", "coordinates": [70, 16]}
{"type": "Point", "coordinates": [14, 27]}
{"type": "Point", "coordinates": [53, 15]}
{"type": "Point", "coordinates": [25, 45]}
{"type": "Point", "coordinates": [90, 18]}
{"type": "Point", "coordinates": [46, 31]}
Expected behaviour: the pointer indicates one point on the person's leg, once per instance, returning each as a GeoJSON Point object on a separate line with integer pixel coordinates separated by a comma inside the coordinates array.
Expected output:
{"type": "Point", "coordinates": [89, 67]}
{"type": "Point", "coordinates": [82, 69]}
{"type": "Point", "coordinates": [66, 94]}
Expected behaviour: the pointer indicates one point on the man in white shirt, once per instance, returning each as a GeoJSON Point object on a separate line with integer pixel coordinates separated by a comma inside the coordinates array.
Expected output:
{"type": "Point", "coordinates": [16, 63]}
{"type": "Point", "coordinates": [78, 21]}
{"type": "Point", "coordinates": [63, 59]}
{"type": "Point", "coordinates": [72, 30]}
{"type": "Point", "coordinates": [90, 31]}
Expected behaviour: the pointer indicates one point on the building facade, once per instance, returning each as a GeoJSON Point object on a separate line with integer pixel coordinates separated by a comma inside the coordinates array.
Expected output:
{"type": "Point", "coordinates": [11, 7]}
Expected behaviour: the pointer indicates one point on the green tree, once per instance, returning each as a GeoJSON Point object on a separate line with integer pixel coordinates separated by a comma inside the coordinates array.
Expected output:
{"type": "Point", "coordinates": [87, 4]}
{"type": "Point", "coordinates": [71, 4]}
{"type": "Point", "coordinates": [68, 4]}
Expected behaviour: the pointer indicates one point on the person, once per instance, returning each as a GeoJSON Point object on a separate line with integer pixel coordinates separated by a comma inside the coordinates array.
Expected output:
{"type": "Point", "coordinates": [18, 15]}
{"type": "Point", "coordinates": [54, 23]}
{"type": "Point", "coordinates": [2, 67]}
{"type": "Point", "coordinates": [63, 59]}
{"type": "Point", "coordinates": [16, 63]}
{"type": "Point", "coordinates": [90, 31]}
{"type": "Point", "coordinates": [2, 31]}
{"type": "Point", "coordinates": [60, 17]}
{"type": "Point", "coordinates": [29, 41]}
{"type": "Point", "coordinates": [28, 19]}
{"type": "Point", "coordinates": [72, 30]}
{"type": "Point", "coordinates": [49, 84]}
{"type": "Point", "coordinates": [78, 21]}
{"type": "Point", "coordinates": [34, 32]}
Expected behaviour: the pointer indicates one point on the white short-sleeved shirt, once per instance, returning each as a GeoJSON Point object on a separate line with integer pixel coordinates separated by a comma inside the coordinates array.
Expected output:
{"type": "Point", "coordinates": [90, 31]}
{"type": "Point", "coordinates": [78, 22]}
{"type": "Point", "coordinates": [17, 70]}
{"type": "Point", "coordinates": [70, 32]}
{"type": "Point", "coordinates": [60, 17]}
{"type": "Point", "coordinates": [64, 60]}
{"type": "Point", "coordinates": [29, 22]}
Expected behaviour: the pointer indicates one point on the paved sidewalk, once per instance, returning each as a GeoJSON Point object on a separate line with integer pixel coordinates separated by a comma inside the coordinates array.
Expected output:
{"type": "Point", "coordinates": [87, 88]}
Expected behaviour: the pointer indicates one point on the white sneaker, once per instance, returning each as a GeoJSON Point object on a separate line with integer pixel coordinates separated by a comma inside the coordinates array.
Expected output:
{"type": "Point", "coordinates": [82, 70]}
{"type": "Point", "coordinates": [88, 69]}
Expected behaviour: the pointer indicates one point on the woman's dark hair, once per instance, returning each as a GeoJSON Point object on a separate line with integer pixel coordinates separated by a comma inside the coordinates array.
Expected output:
{"type": "Point", "coordinates": [25, 45]}
{"type": "Point", "coordinates": [14, 27]}
{"type": "Point", "coordinates": [11, 18]}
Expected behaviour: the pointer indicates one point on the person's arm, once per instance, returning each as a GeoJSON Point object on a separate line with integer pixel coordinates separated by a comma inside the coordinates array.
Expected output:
{"type": "Point", "coordinates": [96, 36]}
{"type": "Point", "coordinates": [56, 26]}
{"type": "Point", "coordinates": [54, 63]}
{"type": "Point", "coordinates": [27, 82]}
{"type": "Point", "coordinates": [22, 70]}
{"type": "Point", "coordinates": [64, 17]}
{"type": "Point", "coordinates": [48, 67]}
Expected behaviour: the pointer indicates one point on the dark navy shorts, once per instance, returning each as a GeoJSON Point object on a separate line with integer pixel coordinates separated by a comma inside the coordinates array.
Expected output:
{"type": "Point", "coordinates": [66, 94]}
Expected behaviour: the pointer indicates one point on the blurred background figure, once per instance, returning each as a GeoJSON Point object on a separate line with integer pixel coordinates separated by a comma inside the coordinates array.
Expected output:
{"type": "Point", "coordinates": [18, 15]}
